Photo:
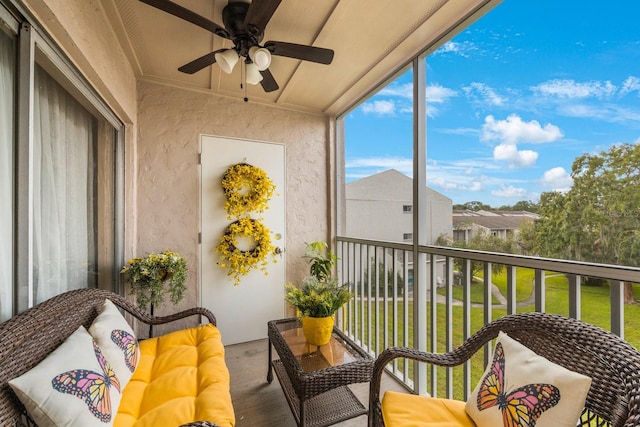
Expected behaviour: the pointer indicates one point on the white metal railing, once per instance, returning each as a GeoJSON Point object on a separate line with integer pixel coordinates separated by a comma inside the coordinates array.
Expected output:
{"type": "Point", "coordinates": [395, 303]}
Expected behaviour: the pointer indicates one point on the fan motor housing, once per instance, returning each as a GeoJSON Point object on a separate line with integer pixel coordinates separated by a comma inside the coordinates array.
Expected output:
{"type": "Point", "coordinates": [233, 16]}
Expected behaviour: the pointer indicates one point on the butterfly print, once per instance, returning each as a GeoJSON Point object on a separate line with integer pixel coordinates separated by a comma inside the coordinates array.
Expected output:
{"type": "Point", "coordinates": [129, 345]}
{"type": "Point", "coordinates": [90, 386]}
{"type": "Point", "coordinates": [521, 407]}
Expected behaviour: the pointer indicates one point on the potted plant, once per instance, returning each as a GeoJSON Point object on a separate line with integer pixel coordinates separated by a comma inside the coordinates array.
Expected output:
{"type": "Point", "coordinates": [320, 295]}
{"type": "Point", "coordinates": [148, 277]}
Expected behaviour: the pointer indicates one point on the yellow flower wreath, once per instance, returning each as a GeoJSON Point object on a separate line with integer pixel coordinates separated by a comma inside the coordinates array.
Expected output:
{"type": "Point", "coordinates": [240, 262]}
{"type": "Point", "coordinates": [247, 189]}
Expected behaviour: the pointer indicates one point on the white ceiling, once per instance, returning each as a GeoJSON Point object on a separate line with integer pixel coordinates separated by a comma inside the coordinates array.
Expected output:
{"type": "Point", "coordinates": [371, 40]}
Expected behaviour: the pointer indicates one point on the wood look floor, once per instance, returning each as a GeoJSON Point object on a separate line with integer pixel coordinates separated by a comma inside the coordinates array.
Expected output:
{"type": "Point", "coordinates": [259, 404]}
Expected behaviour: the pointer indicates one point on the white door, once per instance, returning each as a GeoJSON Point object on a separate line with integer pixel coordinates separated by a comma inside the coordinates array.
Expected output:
{"type": "Point", "coordinates": [242, 311]}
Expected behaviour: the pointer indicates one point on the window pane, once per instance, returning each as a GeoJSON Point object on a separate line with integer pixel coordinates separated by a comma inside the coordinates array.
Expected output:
{"type": "Point", "coordinates": [73, 192]}
{"type": "Point", "coordinates": [530, 118]}
{"type": "Point", "coordinates": [379, 163]}
{"type": "Point", "coordinates": [7, 102]}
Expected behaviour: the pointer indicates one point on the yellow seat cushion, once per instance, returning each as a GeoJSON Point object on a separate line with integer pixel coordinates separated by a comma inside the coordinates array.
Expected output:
{"type": "Point", "coordinates": [182, 377]}
{"type": "Point", "coordinates": [403, 409]}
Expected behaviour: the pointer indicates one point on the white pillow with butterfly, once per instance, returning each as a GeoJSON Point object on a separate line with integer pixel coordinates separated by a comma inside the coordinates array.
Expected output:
{"type": "Point", "coordinates": [74, 386]}
{"type": "Point", "coordinates": [522, 389]}
{"type": "Point", "coordinates": [117, 341]}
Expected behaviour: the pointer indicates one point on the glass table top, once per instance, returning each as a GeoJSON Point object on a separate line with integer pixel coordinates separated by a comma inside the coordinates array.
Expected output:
{"type": "Point", "coordinates": [312, 358]}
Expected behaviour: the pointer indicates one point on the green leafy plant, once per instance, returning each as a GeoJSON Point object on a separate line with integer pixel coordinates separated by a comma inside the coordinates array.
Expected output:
{"type": "Point", "coordinates": [318, 299]}
{"type": "Point", "coordinates": [321, 260]}
{"type": "Point", "coordinates": [320, 295]}
{"type": "Point", "coordinates": [148, 276]}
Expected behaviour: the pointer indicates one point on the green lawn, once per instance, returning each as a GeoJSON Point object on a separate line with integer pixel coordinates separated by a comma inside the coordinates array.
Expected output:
{"type": "Point", "coordinates": [595, 310]}
{"type": "Point", "coordinates": [476, 292]}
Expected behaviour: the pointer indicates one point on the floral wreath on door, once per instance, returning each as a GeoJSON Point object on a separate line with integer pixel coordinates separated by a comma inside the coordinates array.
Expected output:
{"type": "Point", "coordinates": [248, 190]}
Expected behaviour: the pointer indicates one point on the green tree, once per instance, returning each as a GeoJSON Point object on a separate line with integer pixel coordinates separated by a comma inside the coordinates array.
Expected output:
{"type": "Point", "coordinates": [472, 206]}
{"type": "Point", "coordinates": [388, 282]}
{"type": "Point", "coordinates": [598, 220]}
{"type": "Point", "coordinates": [522, 205]}
{"type": "Point", "coordinates": [524, 239]}
{"type": "Point", "coordinates": [482, 241]}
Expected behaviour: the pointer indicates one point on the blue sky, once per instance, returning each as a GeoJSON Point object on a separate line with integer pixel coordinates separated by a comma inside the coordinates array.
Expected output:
{"type": "Point", "coordinates": [511, 101]}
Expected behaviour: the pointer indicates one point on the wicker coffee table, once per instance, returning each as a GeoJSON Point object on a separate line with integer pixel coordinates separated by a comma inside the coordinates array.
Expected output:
{"type": "Point", "coordinates": [314, 379]}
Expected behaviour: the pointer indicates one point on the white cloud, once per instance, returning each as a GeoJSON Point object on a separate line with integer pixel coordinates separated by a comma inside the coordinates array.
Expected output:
{"type": "Point", "coordinates": [453, 183]}
{"type": "Point", "coordinates": [631, 84]}
{"type": "Point", "coordinates": [509, 192]}
{"type": "Point", "coordinates": [460, 131]}
{"type": "Point", "coordinates": [515, 157]}
{"type": "Point", "coordinates": [573, 89]}
{"type": "Point", "coordinates": [379, 164]}
{"type": "Point", "coordinates": [401, 90]}
{"type": "Point", "coordinates": [476, 186]}
{"type": "Point", "coordinates": [513, 130]}
{"type": "Point", "coordinates": [460, 175]}
{"type": "Point", "coordinates": [557, 179]}
{"type": "Point", "coordinates": [444, 183]}
{"type": "Point", "coordinates": [381, 108]}
{"type": "Point", "coordinates": [609, 113]}
{"type": "Point", "coordinates": [456, 48]}
{"type": "Point", "coordinates": [437, 95]}
{"type": "Point", "coordinates": [486, 93]}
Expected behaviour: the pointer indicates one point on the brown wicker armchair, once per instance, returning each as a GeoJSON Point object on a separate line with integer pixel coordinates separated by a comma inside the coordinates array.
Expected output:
{"type": "Point", "coordinates": [612, 363]}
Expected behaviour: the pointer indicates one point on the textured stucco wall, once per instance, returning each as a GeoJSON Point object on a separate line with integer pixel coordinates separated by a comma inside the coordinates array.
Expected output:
{"type": "Point", "coordinates": [170, 123]}
{"type": "Point", "coordinates": [81, 30]}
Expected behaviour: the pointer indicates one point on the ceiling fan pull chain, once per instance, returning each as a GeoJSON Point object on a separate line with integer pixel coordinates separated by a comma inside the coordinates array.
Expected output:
{"type": "Point", "coordinates": [244, 79]}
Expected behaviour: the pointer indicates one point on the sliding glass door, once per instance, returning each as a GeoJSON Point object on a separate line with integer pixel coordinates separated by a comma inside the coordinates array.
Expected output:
{"type": "Point", "coordinates": [61, 168]}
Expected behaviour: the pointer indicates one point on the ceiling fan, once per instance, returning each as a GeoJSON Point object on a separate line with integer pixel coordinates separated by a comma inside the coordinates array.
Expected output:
{"type": "Point", "coordinates": [244, 25]}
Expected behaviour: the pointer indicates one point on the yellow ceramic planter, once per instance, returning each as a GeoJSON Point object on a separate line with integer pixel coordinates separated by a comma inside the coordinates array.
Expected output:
{"type": "Point", "coordinates": [317, 330]}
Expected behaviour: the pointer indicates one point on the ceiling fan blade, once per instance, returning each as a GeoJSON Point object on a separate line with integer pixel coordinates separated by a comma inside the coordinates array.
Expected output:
{"type": "Point", "coordinates": [259, 14]}
{"type": "Point", "coordinates": [200, 63]}
{"type": "Point", "coordinates": [181, 12]}
{"type": "Point", "coordinates": [268, 83]}
{"type": "Point", "coordinates": [301, 51]}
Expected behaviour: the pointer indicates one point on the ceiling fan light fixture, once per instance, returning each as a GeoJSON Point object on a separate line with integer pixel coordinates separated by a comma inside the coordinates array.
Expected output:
{"type": "Point", "coordinates": [227, 59]}
{"type": "Point", "coordinates": [253, 74]}
{"type": "Point", "coordinates": [260, 56]}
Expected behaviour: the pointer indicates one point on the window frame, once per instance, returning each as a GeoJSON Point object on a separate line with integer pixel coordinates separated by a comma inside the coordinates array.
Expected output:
{"type": "Point", "coordinates": [418, 64]}
{"type": "Point", "coordinates": [33, 43]}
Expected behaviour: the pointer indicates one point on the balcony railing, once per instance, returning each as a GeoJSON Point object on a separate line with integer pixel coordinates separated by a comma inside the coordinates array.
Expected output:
{"type": "Point", "coordinates": [399, 302]}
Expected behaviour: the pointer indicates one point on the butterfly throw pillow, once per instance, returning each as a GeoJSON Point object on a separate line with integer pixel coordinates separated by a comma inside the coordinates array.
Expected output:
{"type": "Point", "coordinates": [117, 341]}
{"type": "Point", "coordinates": [522, 389]}
{"type": "Point", "coordinates": [74, 386]}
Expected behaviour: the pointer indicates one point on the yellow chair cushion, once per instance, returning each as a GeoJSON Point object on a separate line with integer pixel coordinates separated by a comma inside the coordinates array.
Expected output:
{"type": "Point", "coordinates": [403, 409]}
{"type": "Point", "coordinates": [181, 378]}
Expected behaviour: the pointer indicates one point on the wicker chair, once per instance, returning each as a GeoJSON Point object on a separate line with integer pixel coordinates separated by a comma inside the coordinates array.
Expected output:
{"type": "Point", "coordinates": [612, 363]}
{"type": "Point", "coordinates": [28, 338]}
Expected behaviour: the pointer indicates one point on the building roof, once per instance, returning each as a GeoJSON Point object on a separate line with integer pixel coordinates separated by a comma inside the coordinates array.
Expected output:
{"type": "Point", "coordinates": [387, 185]}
